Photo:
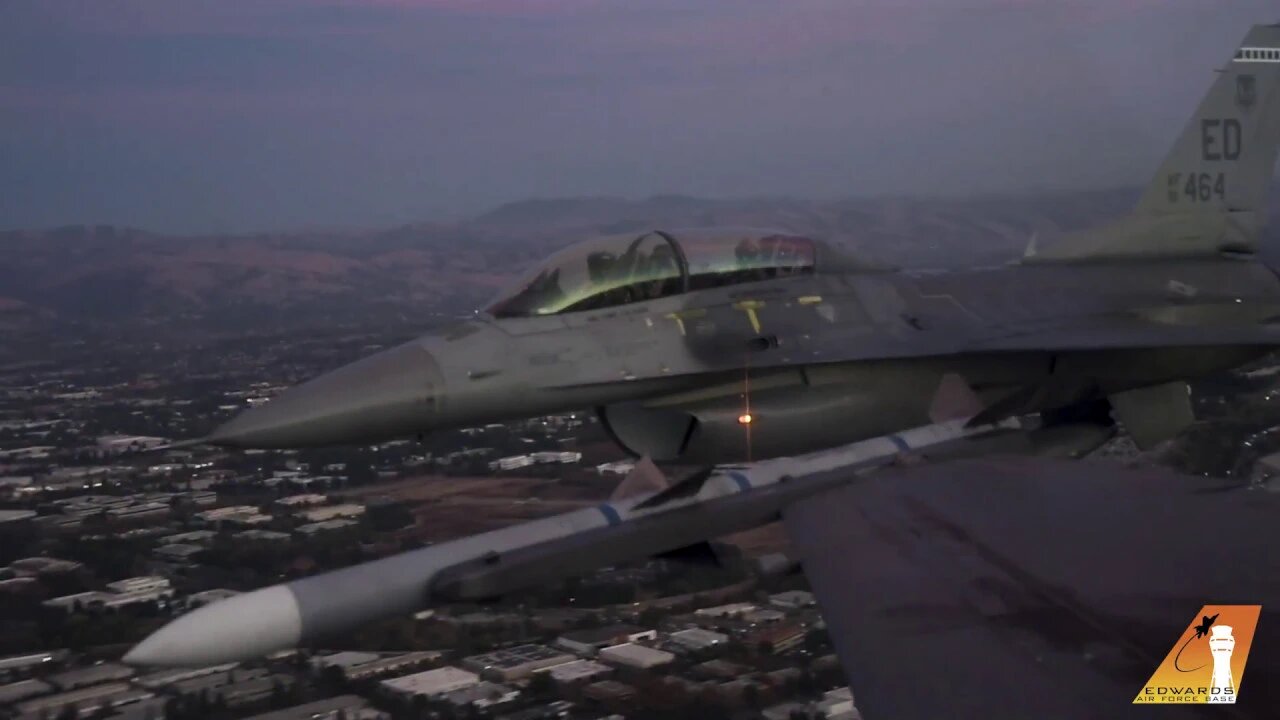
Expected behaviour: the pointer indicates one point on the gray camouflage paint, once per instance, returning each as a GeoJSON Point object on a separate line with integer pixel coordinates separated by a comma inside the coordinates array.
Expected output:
{"type": "Point", "coordinates": [1171, 292]}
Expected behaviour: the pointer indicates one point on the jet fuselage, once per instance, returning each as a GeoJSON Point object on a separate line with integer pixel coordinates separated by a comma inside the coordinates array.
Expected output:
{"type": "Point", "coordinates": [818, 359]}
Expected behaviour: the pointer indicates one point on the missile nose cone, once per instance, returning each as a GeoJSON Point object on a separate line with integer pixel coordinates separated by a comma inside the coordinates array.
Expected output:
{"type": "Point", "coordinates": [238, 628]}
{"type": "Point", "coordinates": [391, 394]}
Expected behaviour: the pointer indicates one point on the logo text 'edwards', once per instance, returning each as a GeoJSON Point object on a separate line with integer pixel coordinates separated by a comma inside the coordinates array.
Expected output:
{"type": "Point", "coordinates": [1206, 664]}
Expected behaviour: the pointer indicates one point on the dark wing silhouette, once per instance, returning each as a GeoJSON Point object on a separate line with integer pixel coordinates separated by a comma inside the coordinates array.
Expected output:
{"type": "Point", "coordinates": [942, 603]}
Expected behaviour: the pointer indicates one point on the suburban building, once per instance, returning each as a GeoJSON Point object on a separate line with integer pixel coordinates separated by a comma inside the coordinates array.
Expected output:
{"type": "Point", "coordinates": [590, 641]}
{"type": "Point", "coordinates": [166, 678]}
{"type": "Point", "coordinates": [14, 482]}
{"type": "Point", "coordinates": [764, 616]}
{"type": "Point", "coordinates": [726, 611]}
{"type": "Point", "coordinates": [837, 703]}
{"type": "Point", "coordinates": [609, 692]}
{"type": "Point", "coordinates": [197, 498]}
{"type": "Point", "coordinates": [619, 467]}
{"type": "Point", "coordinates": [778, 638]}
{"type": "Point", "coordinates": [91, 675]}
{"type": "Point", "coordinates": [719, 669]}
{"type": "Point", "coordinates": [139, 512]}
{"type": "Point", "coordinates": [554, 456]}
{"type": "Point", "coordinates": [635, 656]}
{"type": "Point", "coordinates": [330, 512]}
{"type": "Point", "coordinates": [194, 537]}
{"type": "Point", "coordinates": [234, 515]}
{"type": "Point", "coordinates": [578, 672]}
{"type": "Point", "coordinates": [342, 660]}
{"type": "Point", "coordinates": [432, 683]}
{"type": "Point", "coordinates": [294, 502]}
{"type": "Point", "coordinates": [325, 526]}
{"type": "Point", "coordinates": [698, 639]}
{"type": "Point", "coordinates": [205, 683]}
{"type": "Point", "coordinates": [352, 707]}
{"type": "Point", "coordinates": [252, 691]}
{"type": "Point", "coordinates": [42, 566]}
{"type": "Point", "coordinates": [21, 690]}
{"type": "Point", "coordinates": [511, 463]}
{"type": "Point", "coordinates": [792, 600]}
{"type": "Point", "coordinates": [178, 552]}
{"type": "Point", "coordinates": [116, 444]}
{"type": "Point", "coordinates": [146, 583]}
{"type": "Point", "coordinates": [17, 666]}
{"type": "Point", "coordinates": [362, 665]}
{"type": "Point", "coordinates": [204, 597]}
{"type": "Point", "coordinates": [260, 535]}
{"type": "Point", "coordinates": [481, 696]}
{"type": "Point", "coordinates": [516, 662]}
{"type": "Point", "coordinates": [86, 700]}
{"type": "Point", "coordinates": [14, 518]}
{"type": "Point", "coordinates": [142, 709]}
{"type": "Point", "coordinates": [149, 589]}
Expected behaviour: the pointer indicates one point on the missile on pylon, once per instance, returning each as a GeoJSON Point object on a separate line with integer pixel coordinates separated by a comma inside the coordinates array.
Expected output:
{"type": "Point", "coordinates": [708, 504]}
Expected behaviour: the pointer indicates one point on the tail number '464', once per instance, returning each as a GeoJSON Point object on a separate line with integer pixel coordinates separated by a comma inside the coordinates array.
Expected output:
{"type": "Point", "coordinates": [1197, 187]}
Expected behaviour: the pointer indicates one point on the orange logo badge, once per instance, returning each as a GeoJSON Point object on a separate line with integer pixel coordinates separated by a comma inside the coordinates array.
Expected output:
{"type": "Point", "coordinates": [1206, 664]}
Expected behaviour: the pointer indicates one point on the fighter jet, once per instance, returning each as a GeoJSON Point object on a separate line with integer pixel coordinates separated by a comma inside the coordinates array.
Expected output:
{"type": "Point", "coordinates": [1205, 622]}
{"type": "Point", "coordinates": [670, 336]}
{"type": "Point", "coordinates": [951, 587]}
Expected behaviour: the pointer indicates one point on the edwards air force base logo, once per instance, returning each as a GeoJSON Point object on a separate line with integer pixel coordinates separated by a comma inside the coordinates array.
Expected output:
{"type": "Point", "coordinates": [1246, 91]}
{"type": "Point", "coordinates": [1206, 664]}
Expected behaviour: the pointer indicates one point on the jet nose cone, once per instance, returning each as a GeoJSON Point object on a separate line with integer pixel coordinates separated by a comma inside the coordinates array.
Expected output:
{"type": "Point", "coordinates": [391, 394]}
{"type": "Point", "coordinates": [231, 630]}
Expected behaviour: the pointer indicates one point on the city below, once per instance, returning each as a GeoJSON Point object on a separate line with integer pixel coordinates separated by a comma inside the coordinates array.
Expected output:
{"type": "Point", "coordinates": [105, 539]}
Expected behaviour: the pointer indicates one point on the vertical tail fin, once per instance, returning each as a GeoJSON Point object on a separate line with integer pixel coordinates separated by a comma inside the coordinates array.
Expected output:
{"type": "Point", "coordinates": [1210, 193]}
{"type": "Point", "coordinates": [1224, 158]}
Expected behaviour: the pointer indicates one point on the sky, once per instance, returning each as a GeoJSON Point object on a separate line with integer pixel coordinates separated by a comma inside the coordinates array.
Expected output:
{"type": "Point", "coordinates": [260, 115]}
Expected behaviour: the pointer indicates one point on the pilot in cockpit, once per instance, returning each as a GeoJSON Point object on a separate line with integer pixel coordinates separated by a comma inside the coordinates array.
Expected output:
{"type": "Point", "coordinates": [609, 277]}
{"type": "Point", "coordinates": [660, 272]}
{"type": "Point", "coordinates": [750, 258]}
{"type": "Point", "coordinates": [599, 266]}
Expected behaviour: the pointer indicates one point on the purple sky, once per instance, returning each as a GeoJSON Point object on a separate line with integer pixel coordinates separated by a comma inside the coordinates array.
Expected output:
{"type": "Point", "coordinates": [235, 115]}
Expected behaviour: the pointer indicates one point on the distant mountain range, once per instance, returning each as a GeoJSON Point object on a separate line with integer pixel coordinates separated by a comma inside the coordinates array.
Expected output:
{"type": "Point", "coordinates": [105, 273]}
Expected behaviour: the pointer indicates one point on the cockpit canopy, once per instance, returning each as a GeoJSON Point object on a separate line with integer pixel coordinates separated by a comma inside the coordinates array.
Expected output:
{"type": "Point", "coordinates": [618, 270]}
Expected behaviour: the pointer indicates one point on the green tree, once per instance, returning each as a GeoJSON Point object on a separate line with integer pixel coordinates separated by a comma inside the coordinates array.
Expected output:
{"type": "Point", "coordinates": [815, 641]}
{"type": "Point", "coordinates": [650, 617]}
{"type": "Point", "coordinates": [333, 679]}
{"type": "Point", "coordinates": [806, 683]}
{"type": "Point", "coordinates": [540, 685]}
{"type": "Point", "coordinates": [278, 697]}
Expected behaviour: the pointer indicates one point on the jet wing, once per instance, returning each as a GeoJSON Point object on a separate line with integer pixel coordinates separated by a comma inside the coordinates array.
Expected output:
{"type": "Point", "coordinates": [1125, 331]}
{"type": "Point", "coordinates": [1030, 588]}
